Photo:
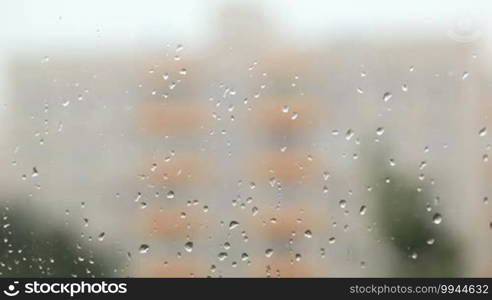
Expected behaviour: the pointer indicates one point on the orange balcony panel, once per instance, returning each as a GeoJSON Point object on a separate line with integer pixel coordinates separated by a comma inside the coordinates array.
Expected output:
{"type": "Point", "coordinates": [287, 63]}
{"type": "Point", "coordinates": [285, 166]}
{"type": "Point", "coordinates": [167, 118]}
{"type": "Point", "coordinates": [182, 268]}
{"type": "Point", "coordinates": [170, 223]}
{"type": "Point", "coordinates": [285, 266]}
{"type": "Point", "coordinates": [178, 170]}
{"type": "Point", "coordinates": [279, 224]}
{"type": "Point", "coordinates": [288, 114]}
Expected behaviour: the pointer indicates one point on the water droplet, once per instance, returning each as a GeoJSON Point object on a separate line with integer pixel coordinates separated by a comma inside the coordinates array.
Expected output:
{"type": "Point", "coordinates": [268, 252]}
{"type": "Point", "coordinates": [244, 256]}
{"type": "Point", "coordinates": [437, 218]}
{"type": "Point", "coordinates": [387, 96]}
{"type": "Point", "coordinates": [349, 134]}
{"type": "Point", "coordinates": [101, 236]}
{"type": "Point", "coordinates": [170, 195]}
{"type": "Point", "coordinates": [222, 256]}
{"type": "Point", "coordinates": [325, 189]}
{"type": "Point", "coordinates": [380, 131]}
{"type": "Point", "coordinates": [227, 245]}
{"type": "Point", "coordinates": [188, 246]}
{"type": "Point", "coordinates": [342, 203]}
{"type": "Point", "coordinates": [465, 75]}
{"type": "Point", "coordinates": [430, 241]}
{"type": "Point", "coordinates": [404, 88]}
{"type": "Point", "coordinates": [233, 224]}
{"type": "Point", "coordinates": [144, 248]}
{"type": "Point", "coordinates": [332, 240]}
{"type": "Point", "coordinates": [483, 131]}
{"type": "Point", "coordinates": [35, 172]}
{"type": "Point", "coordinates": [308, 234]}
{"type": "Point", "coordinates": [254, 210]}
{"type": "Point", "coordinates": [362, 210]}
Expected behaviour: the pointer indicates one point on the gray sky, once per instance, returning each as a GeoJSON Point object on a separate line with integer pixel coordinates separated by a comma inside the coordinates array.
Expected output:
{"type": "Point", "coordinates": [25, 22]}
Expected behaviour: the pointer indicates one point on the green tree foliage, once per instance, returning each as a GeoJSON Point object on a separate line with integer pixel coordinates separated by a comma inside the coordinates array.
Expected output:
{"type": "Point", "coordinates": [30, 247]}
{"type": "Point", "coordinates": [407, 226]}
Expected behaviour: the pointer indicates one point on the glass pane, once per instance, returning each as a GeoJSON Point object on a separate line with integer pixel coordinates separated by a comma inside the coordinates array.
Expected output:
{"type": "Point", "coordinates": [245, 138]}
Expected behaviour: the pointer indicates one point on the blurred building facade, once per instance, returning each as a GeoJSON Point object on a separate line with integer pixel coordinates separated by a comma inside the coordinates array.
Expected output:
{"type": "Point", "coordinates": [252, 157]}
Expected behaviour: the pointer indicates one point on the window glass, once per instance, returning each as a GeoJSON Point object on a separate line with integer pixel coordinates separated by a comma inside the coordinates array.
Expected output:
{"type": "Point", "coordinates": [245, 138]}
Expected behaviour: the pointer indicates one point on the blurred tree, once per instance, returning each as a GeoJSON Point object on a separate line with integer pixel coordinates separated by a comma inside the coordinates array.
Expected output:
{"type": "Point", "coordinates": [31, 248]}
{"type": "Point", "coordinates": [424, 249]}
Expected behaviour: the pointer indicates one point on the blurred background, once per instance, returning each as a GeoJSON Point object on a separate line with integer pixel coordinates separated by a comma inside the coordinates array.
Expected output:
{"type": "Point", "coordinates": [245, 138]}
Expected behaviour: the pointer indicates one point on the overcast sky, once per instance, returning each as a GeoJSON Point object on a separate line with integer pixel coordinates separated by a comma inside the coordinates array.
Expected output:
{"type": "Point", "coordinates": [24, 22]}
